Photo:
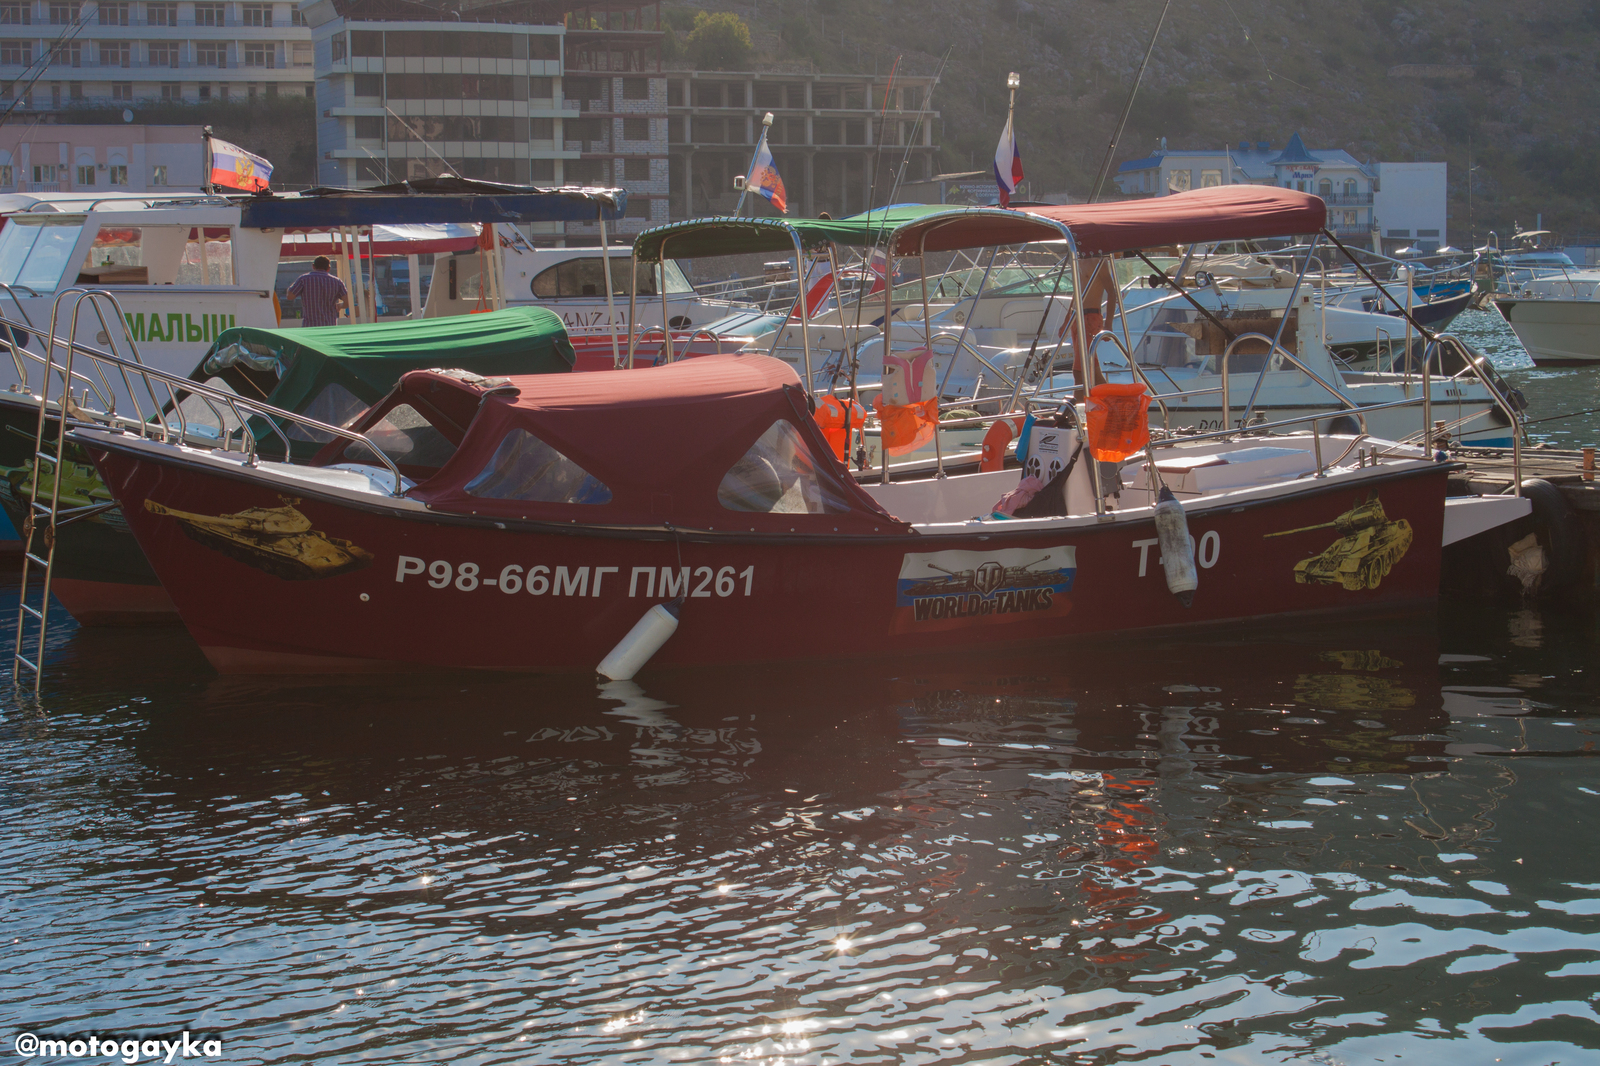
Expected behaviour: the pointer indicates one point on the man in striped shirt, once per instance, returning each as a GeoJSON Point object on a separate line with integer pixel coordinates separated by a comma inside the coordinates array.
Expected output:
{"type": "Point", "coordinates": [322, 295]}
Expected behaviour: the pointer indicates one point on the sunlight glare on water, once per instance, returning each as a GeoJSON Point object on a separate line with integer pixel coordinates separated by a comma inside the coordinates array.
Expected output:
{"type": "Point", "coordinates": [1348, 843]}
{"type": "Point", "coordinates": [1351, 843]}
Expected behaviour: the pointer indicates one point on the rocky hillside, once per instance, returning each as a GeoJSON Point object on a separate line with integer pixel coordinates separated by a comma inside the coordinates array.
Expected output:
{"type": "Point", "coordinates": [1516, 86]}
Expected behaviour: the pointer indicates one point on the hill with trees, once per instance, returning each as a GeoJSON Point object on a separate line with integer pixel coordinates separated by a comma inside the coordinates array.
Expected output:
{"type": "Point", "coordinates": [1513, 88]}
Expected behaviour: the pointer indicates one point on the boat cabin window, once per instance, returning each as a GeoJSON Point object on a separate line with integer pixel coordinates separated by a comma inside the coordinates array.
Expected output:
{"type": "Point", "coordinates": [407, 438]}
{"type": "Point", "coordinates": [526, 468]}
{"type": "Point", "coordinates": [34, 252]}
{"type": "Point", "coordinates": [778, 475]}
{"type": "Point", "coordinates": [161, 255]}
{"type": "Point", "coordinates": [334, 405]}
{"type": "Point", "coordinates": [586, 277]}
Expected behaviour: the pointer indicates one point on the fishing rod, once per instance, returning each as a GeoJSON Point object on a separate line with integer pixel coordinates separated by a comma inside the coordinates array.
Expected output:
{"type": "Point", "coordinates": [916, 124]}
{"type": "Point", "coordinates": [1116, 134]}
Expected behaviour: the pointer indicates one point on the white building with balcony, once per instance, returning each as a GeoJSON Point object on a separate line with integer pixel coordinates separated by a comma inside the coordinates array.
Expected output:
{"type": "Point", "coordinates": [1392, 204]}
{"type": "Point", "coordinates": [56, 55]}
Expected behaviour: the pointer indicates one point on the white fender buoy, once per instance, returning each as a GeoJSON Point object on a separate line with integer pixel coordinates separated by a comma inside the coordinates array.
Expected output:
{"type": "Point", "coordinates": [1177, 547]}
{"type": "Point", "coordinates": [642, 641]}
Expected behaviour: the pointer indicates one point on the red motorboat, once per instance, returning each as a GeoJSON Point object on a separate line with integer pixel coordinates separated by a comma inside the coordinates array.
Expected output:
{"type": "Point", "coordinates": [546, 523]}
{"type": "Point", "coordinates": [539, 517]}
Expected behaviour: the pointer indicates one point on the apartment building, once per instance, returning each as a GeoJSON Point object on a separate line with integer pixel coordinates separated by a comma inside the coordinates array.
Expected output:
{"type": "Point", "coordinates": [120, 158]}
{"type": "Point", "coordinates": [832, 137]}
{"type": "Point", "coordinates": [502, 92]}
{"type": "Point", "coordinates": [558, 94]}
{"type": "Point", "coordinates": [109, 52]}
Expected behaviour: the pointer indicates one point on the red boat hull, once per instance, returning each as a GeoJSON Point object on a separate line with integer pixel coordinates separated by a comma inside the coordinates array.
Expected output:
{"type": "Point", "coordinates": [111, 603]}
{"type": "Point", "coordinates": [443, 591]}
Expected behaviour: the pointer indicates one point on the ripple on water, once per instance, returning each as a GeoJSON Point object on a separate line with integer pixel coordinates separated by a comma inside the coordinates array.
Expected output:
{"type": "Point", "coordinates": [1259, 847]}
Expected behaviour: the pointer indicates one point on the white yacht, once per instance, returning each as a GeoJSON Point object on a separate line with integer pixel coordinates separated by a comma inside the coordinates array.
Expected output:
{"type": "Point", "coordinates": [1556, 316]}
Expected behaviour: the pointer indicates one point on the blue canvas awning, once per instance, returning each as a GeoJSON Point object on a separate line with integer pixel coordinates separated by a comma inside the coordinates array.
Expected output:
{"type": "Point", "coordinates": [432, 200]}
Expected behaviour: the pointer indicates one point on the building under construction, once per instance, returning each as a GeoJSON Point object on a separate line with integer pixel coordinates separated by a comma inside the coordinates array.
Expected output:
{"type": "Point", "coordinates": [556, 93]}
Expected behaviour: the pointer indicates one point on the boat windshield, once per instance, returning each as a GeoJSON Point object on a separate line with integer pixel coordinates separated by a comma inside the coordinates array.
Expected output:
{"type": "Point", "coordinates": [35, 251]}
{"type": "Point", "coordinates": [407, 437]}
{"type": "Point", "coordinates": [587, 277]}
{"type": "Point", "coordinates": [526, 468]}
{"type": "Point", "coordinates": [778, 475]}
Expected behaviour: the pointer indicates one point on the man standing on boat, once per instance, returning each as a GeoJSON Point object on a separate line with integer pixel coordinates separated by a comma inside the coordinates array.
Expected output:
{"type": "Point", "coordinates": [322, 295]}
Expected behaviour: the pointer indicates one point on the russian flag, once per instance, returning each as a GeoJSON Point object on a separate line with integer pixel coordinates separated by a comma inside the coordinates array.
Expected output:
{"type": "Point", "coordinates": [764, 178]}
{"type": "Point", "coordinates": [1007, 164]}
{"type": "Point", "coordinates": [235, 168]}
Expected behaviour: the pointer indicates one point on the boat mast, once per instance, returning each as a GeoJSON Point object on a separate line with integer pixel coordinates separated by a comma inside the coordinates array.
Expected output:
{"type": "Point", "coordinates": [1116, 134]}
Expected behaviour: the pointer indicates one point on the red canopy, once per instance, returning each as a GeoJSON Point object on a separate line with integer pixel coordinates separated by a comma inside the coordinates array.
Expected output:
{"type": "Point", "coordinates": [1223, 213]}
{"type": "Point", "coordinates": [660, 439]}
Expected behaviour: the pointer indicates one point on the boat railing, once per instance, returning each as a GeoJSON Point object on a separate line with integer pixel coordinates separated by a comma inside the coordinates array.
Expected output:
{"type": "Point", "coordinates": [98, 299]}
{"type": "Point", "coordinates": [961, 342]}
{"type": "Point", "coordinates": [177, 425]}
{"type": "Point", "coordinates": [1477, 365]}
{"type": "Point", "coordinates": [1138, 372]}
{"type": "Point", "coordinates": [1274, 348]}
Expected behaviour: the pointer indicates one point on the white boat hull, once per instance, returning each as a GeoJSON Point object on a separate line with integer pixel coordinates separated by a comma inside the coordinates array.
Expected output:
{"type": "Point", "coordinates": [1555, 332]}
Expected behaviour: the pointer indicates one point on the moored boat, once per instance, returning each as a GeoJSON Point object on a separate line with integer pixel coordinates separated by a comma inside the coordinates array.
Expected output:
{"type": "Point", "coordinates": [529, 539]}
{"type": "Point", "coordinates": [100, 575]}
{"type": "Point", "coordinates": [537, 543]}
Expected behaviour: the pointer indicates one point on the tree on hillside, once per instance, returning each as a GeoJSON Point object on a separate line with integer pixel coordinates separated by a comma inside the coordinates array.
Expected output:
{"type": "Point", "coordinates": [719, 42]}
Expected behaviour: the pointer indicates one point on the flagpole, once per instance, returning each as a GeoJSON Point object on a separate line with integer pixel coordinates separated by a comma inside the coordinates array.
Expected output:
{"type": "Point", "coordinates": [205, 160]}
{"type": "Point", "coordinates": [761, 142]}
{"type": "Point", "coordinates": [1013, 81]}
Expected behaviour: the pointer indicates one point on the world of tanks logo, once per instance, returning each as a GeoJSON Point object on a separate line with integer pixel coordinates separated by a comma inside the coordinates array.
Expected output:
{"type": "Point", "coordinates": [941, 589]}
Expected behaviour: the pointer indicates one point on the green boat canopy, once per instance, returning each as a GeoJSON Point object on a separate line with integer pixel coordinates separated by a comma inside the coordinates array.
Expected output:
{"type": "Point", "coordinates": [331, 373]}
{"type": "Point", "coordinates": [912, 227]}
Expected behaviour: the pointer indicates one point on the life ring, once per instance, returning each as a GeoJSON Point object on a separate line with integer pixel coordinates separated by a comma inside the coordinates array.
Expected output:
{"type": "Point", "coordinates": [1554, 524]}
{"type": "Point", "coordinates": [1001, 434]}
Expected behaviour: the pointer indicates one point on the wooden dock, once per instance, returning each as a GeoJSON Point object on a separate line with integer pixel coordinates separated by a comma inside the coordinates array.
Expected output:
{"type": "Point", "coordinates": [1569, 535]}
{"type": "Point", "coordinates": [1489, 472]}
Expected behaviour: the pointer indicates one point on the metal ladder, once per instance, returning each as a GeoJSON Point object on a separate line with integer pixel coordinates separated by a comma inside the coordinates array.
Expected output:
{"type": "Point", "coordinates": [45, 518]}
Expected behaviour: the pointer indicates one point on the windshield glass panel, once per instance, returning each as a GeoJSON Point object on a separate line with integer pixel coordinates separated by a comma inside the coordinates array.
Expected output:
{"type": "Point", "coordinates": [335, 405]}
{"type": "Point", "coordinates": [587, 277]}
{"type": "Point", "coordinates": [407, 438]}
{"type": "Point", "coordinates": [526, 468]}
{"type": "Point", "coordinates": [778, 475]}
{"type": "Point", "coordinates": [676, 281]}
{"type": "Point", "coordinates": [35, 252]}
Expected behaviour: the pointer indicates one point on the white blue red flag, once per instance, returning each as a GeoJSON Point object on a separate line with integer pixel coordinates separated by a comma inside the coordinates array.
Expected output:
{"type": "Point", "coordinates": [818, 286]}
{"type": "Point", "coordinates": [764, 177]}
{"type": "Point", "coordinates": [1007, 164]}
{"type": "Point", "coordinates": [235, 168]}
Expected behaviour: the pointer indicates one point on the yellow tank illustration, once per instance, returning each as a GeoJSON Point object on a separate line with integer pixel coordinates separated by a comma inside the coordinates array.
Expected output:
{"type": "Point", "coordinates": [278, 540]}
{"type": "Point", "coordinates": [1363, 556]}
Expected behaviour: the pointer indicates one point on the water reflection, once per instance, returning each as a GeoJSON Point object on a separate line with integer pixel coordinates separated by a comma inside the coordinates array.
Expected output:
{"type": "Point", "coordinates": [1337, 844]}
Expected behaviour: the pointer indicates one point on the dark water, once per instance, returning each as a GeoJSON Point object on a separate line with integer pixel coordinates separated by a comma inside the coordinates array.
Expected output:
{"type": "Point", "coordinates": [1349, 843]}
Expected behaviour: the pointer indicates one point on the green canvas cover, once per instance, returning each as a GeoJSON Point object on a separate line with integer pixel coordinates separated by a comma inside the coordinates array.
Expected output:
{"type": "Point", "coordinates": [703, 237]}
{"type": "Point", "coordinates": [365, 361]}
